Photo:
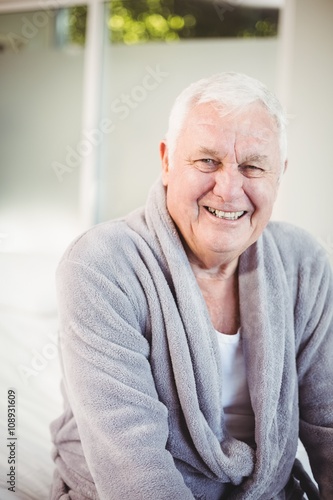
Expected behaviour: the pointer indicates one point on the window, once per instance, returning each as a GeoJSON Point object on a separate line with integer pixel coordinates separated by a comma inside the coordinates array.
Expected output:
{"type": "Point", "coordinates": [133, 22]}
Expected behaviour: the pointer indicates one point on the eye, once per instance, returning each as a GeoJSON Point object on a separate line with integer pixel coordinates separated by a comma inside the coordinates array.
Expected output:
{"type": "Point", "coordinates": [251, 170]}
{"type": "Point", "coordinates": [207, 164]}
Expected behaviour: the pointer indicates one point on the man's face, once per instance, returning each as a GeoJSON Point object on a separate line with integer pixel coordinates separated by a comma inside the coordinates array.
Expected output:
{"type": "Point", "coordinates": [223, 180]}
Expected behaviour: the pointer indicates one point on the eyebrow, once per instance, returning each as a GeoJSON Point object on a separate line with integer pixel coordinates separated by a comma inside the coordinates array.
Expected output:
{"type": "Point", "coordinates": [208, 151]}
{"type": "Point", "coordinates": [256, 157]}
{"type": "Point", "coordinates": [214, 152]}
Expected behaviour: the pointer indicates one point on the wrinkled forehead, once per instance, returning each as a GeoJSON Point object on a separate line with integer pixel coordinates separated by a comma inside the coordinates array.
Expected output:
{"type": "Point", "coordinates": [252, 121]}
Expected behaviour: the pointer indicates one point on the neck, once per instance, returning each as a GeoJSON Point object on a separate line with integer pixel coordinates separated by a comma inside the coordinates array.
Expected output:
{"type": "Point", "coordinates": [219, 287]}
{"type": "Point", "coordinates": [210, 264]}
{"type": "Point", "coordinates": [213, 268]}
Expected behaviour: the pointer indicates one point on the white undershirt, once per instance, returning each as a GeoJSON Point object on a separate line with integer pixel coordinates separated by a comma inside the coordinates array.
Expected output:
{"type": "Point", "coordinates": [236, 401]}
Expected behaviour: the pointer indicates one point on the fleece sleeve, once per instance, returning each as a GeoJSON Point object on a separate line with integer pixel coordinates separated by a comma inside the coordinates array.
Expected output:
{"type": "Point", "coordinates": [315, 369]}
{"type": "Point", "coordinates": [122, 425]}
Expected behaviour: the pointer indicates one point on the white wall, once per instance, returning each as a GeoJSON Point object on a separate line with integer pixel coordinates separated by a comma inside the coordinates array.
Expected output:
{"type": "Point", "coordinates": [306, 76]}
{"type": "Point", "coordinates": [41, 94]}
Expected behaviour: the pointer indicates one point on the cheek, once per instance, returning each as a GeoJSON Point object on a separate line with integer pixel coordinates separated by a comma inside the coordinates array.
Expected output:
{"type": "Point", "coordinates": [263, 196]}
{"type": "Point", "coordinates": [180, 194]}
{"type": "Point", "coordinates": [191, 185]}
{"type": "Point", "coordinates": [199, 183]}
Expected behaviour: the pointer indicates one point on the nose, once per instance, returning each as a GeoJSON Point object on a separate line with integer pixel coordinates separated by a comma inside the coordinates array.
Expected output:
{"type": "Point", "coordinates": [228, 184]}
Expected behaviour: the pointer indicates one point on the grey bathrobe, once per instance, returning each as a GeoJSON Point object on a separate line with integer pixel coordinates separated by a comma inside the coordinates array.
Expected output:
{"type": "Point", "coordinates": [142, 377]}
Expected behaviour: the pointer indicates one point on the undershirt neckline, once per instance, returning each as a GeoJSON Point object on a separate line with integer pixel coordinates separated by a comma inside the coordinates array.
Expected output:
{"type": "Point", "coordinates": [226, 338]}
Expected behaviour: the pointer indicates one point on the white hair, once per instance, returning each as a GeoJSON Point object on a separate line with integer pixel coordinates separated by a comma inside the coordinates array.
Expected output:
{"type": "Point", "coordinates": [231, 91]}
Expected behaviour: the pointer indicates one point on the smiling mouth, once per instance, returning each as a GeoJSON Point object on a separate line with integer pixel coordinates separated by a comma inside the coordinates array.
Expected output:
{"type": "Point", "coordinates": [225, 215]}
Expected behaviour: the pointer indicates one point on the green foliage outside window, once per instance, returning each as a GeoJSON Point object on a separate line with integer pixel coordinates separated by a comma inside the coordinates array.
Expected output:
{"type": "Point", "coordinates": [139, 21]}
{"type": "Point", "coordinates": [76, 24]}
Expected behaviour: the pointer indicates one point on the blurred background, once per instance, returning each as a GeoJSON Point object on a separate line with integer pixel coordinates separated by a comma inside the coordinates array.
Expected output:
{"type": "Point", "coordinates": [85, 92]}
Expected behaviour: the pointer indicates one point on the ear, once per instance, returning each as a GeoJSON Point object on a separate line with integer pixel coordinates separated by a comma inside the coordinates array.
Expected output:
{"type": "Point", "coordinates": [165, 162]}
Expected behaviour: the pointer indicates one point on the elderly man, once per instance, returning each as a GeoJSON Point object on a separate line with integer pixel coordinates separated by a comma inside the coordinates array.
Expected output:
{"type": "Point", "coordinates": [196, 337]}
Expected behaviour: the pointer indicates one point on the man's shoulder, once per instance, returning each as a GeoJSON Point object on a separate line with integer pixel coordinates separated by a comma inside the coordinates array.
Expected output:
{"type": "Point", "coordinates": [103, 241]}
{"type": "Point", "coordinates": [293, 242]}
{"type": "Point", "coordinates": [285, 232]}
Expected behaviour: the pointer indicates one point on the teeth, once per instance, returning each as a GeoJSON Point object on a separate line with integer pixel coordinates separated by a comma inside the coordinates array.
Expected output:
{"type": "Point", "coordinates": [225, 215]}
